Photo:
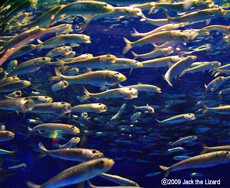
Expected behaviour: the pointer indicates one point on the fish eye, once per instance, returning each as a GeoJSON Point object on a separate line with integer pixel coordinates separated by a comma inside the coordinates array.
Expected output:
{"type": "Point", "coordinates": [43, 59]}
{"type": "Point", "coordinates": [17, 93]}
{"type": "Point", "coordinates": [101, 163]}
{"type": "Point", "coordinates": [130, 88]}
{"type": "Point", "coordinates": [62, 103]}
{"type": "Point", "coordinates": [117, 74]}
{"type": "Point", "coordinates": [72, 128]}
{"type": "Point", "coordinates": [94, 151]}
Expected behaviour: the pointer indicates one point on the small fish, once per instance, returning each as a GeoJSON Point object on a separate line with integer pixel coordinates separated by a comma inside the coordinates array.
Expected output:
{"type": "Point", "coordinates": [172, 150]}
{"type": "Point", "coordinates": [178, 119]}
{"type": "Point", "coordinates": [11, 65]}
{"type": "Point", "coordinates": [59, 108]}
{"type": "Point", "coordinates": [93, 107]}
{"type": "Point", "coordinates": [6, 135]}
{"type": "Point", "coordinates": [125, 92]}
{"type": "Point", "coordinates": [215, 148]}
{"type": "Point", "coordinates": [77, 174]}
{"type": "Point", "coordinates": [199, 161]}
{"type": "Point", "coordinates": [15, 94]}
{"type": "Point", "coordinates": [215, 84]}
{"type": "Point", "coordinates": [63, 128]}
{"type": "Point", "coordinates": [22, 165]}
{"type": "Point", "coordinates": [72, 154]}
{"type": "Point", "coordinates": [60, 85]}
{"type": "Point", "coordinates": [72, 142]}
{"type": "Point", "coordinates": [146, 109]}
{"type": "Point", "coordinates": [15, 85]}
{"type": "Point", "coordinates": [119, 180]}
{"type": "Point", "coordinates": [184, 139]}
{"type": "Point", "coordinates": [119, 112]}
{"type": "Point", "coordinates": [134, 118]}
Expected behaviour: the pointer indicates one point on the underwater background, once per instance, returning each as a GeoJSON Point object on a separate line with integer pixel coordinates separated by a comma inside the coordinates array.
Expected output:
{"type": "Point", "coordinates": [138, 148]}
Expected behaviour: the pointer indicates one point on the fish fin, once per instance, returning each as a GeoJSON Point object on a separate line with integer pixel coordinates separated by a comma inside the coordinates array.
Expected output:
{"type": "Point", "coordinates": [206, 108]}
{"type": "Point", "coordinates": [153, 8]}
{"type": "Point", "coordinates": [170, 64]}
{"type": "Point", "coordinates": [208, 21]}
{"type": "Point", "coordinates": [86, 96]}
{"type": "Point", "coordinates": [127, 47]}
{"type": "Point", "coordinates": [182, 73]}
{"type": "Point", "coordinates": [90, 184]}
{"type": "Point", "coordinates": [167, 15]}
{"type": "Point", "coordinates": [158, 121]}
{"type": "Point", "coordinates": [205, 148]}
{"type": "Point", "coordinates": [130, 71]}
{"type": "Point", "coordinates": [206, 88]}
{"type": "Point", "coordinates": [119, 85]}
{"type": "Point", "coordinates": [135, 34]}
{"type": "Point", "coordinates": [134, 54]}
{"type": "Point", "coordinates": [42, 147]}
{"type": "Point", "coordinates": [32, 185]}
{"type": "Point", "coordinates": [213, 71]}
{"type": "Point", "coordinates": [167, 80]}
{"type": "Point", "coordinates": [218, 73]}
{"type": "Point", "coordinates": [58, 74]}
{"type": "Point", "coordinates": [165, 168]}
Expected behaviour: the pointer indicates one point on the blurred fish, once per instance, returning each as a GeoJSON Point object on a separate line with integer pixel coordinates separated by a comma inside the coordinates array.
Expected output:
{"type": "Point", "coordinates": [72, 142]}
{"type": "Point", "coordinates": [81, 172]}
{"type": "Point", "coordinates": [178, 119]}
{"type": "Point", "coordinates": [6, 135]}
{"type": "Point", "coordinates": [93, 107]}
{"type": "Point", "coordinates": [72, 154]}
{"type": "Point", "coordinates": [146, 109]}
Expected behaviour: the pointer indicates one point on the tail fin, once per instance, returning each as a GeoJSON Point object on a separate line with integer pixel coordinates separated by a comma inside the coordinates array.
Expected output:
{"type": "Point", "coordinates": [58, 74]}
{"type": "Point", "coordinates": [127, 47]}
{"type": "Point", "coordinates": [182, 73]}
{"type": "Point", "coordinates": [32, 185]}
{"type": "Point", "coordinates": [135, 34]}
{"type": "Point", "coordinates": [42, 147]}
{"type": "Point", "coordinates": [135, 55]}
{"type": "Point", "coordinates": [86, 96]}
{"type": "Point", "coordinates": [205, 148]}
{"type": "Point", "coordinates": [90, 184]}
{"type": "Point", "coordinates": [167, 80]}
{"type": "Point", "coordinates": [40, 45]}
{"type": "Point", "coordinates": [168, 17]}
{"type": "Point", "coordinates": [206, 108]}
{"type": "Point", "coordinates": [165, 168]}
{"type": "Point", "coordinates": [206, 88]}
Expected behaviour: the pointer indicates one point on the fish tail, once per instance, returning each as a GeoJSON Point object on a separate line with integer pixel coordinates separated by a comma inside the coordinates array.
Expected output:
{"type": "Point", "coordinates": [134, 54]}
{"type": "Point", "coordinates": [158, 121]}
{"type": "Point", "coordinates": [205, 148]}
{"type": "Point", "coordinates": [42, 147]}
{"type": "Point", "coordinates": [90, 184]}
{"type": "Point", "coordinates": [213, 71]}
{"type": "Point", "coordinates": [58, 74]}
{"type": "Point", "coordinates": [127, 47]}
{"type": "Point", "coordinates": [135, 34]}
{"type": "Point", "coordinates": [167, 80]}
{"type": "Point", "coordinates": [166, 169]}
{"type": "Point", "coordinates": [182, 73]}
{"type": "Point", "coordinates": [30, 131]}
{"type": "Point", "coordinates": [32, 185]}
{"type": "Point", "coordinates": [206, 88]}
{"type": "Point", "coordinates": [86, 96]}
{"type": "Point", "coordinates": [205, 107]}
{"type": "Point", "coordinates": [40, 46]}
{"type": "Point", "coordinates": [167, 15]}
{"type": "Point", "coordinates": [153, 8]}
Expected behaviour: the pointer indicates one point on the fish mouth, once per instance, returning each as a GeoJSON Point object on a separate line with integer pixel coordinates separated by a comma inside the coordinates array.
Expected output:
{"type": "Point", "coordinates": [123, 78]}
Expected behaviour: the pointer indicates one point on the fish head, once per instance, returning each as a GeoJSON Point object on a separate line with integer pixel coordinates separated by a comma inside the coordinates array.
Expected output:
{"type": "Point", "coordinates": [90, 154]}
{"type": "Point", "coordinates": [74, 129]}
{"type": "Point", "coordinates": [46, 59]}
{"type": "Point", "coordinates": [75, 140]}
{"type": "Point", "coordinates": [26, 104]}
{"type": "Point", "coordinates": [223, 156]}
{"type": "Point", "coordinates": [129, 92]}
{"type": "Point", "coordinates": [108, 59]}
{"type": "Point", "coordinates": [98, 107]}
{"type": "Point", "coordinates": [114, 77]}
{"type": "Point", "coordinates": [45, 99]}
{"type": "Point", "coordinates": [102, 165]}
{"type": "Point", "coordinates": [26, 83]}
{"type": "Point", "coordinates": [9, 135]}
{"type": "Point", "coordinates": [86, 38]}
{"type": "Point", "coordinates": [84, 115]}
{"type": "Point", "coordinates": [62, 108]}
{"type": "Point", "coordinates": [133, 11]}
{"type": "Point", "coordinates": [138, 64]}
{"type": "Point", "coordinates": [189, 117]}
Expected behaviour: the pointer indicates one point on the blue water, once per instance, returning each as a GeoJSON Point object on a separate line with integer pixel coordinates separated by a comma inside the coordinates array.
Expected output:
{"type": "Point", "coordinates": [144, 145]}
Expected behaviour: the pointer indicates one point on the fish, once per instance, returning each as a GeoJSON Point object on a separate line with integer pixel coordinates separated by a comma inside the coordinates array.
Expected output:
{"type": "Point", "coordinates": [13, 86]}
{"type": "Point", "coordinates": [145, 87]}
{"type": "Point", "coordinates": [97, 78]}
{"type": "Point", "coordinates": [60, 51]}
{"type": "Point", "coordinates": [125, 92]}
{"type": "Point", "coordinates": [22, 165]}
{"type": "Point", "coordinates": [58, 108]}
{"type": "Point", "coordinates": [77, 174]}
{"type": "Point", "coordinates": [215, 148]}
{"type": "Point", "coordinates": [214, 84]}
{"type": "Point", "coordinates": [161, 37]}
{"type": "Point", "coordinates": [119, 180]}
{"type": "Point", "coordinates": [22, 104]}
{"type": "Point", "coordinates": [63, 84]}
{"type": "Point", "coordinates": [134, 118]}
{"type": "Point", "coordinates": [178, 68]}
{"type": "Point", "coordinates": [72, 154]}
{"type": "Point", "coordinates": [199, 161]}
{"type": "Point", "coordinates": [72, 142]}
{"type": "Point", "coordinates": [93, 107]}
{"type": "Point", "coordinates": [6, 135]}
{"type": "Point", "coordinates": [178, 119]}
{"type": "Point", "coordinates": [146, 109]}
{"type": "Point", "coordinates": [184, 139]}
{"type": "Point", "coordinates": [119, 112]}
{"type": "Point", "coordinates": [29, 66]}
{"type": "Point", "coordinates": [63, 128]}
